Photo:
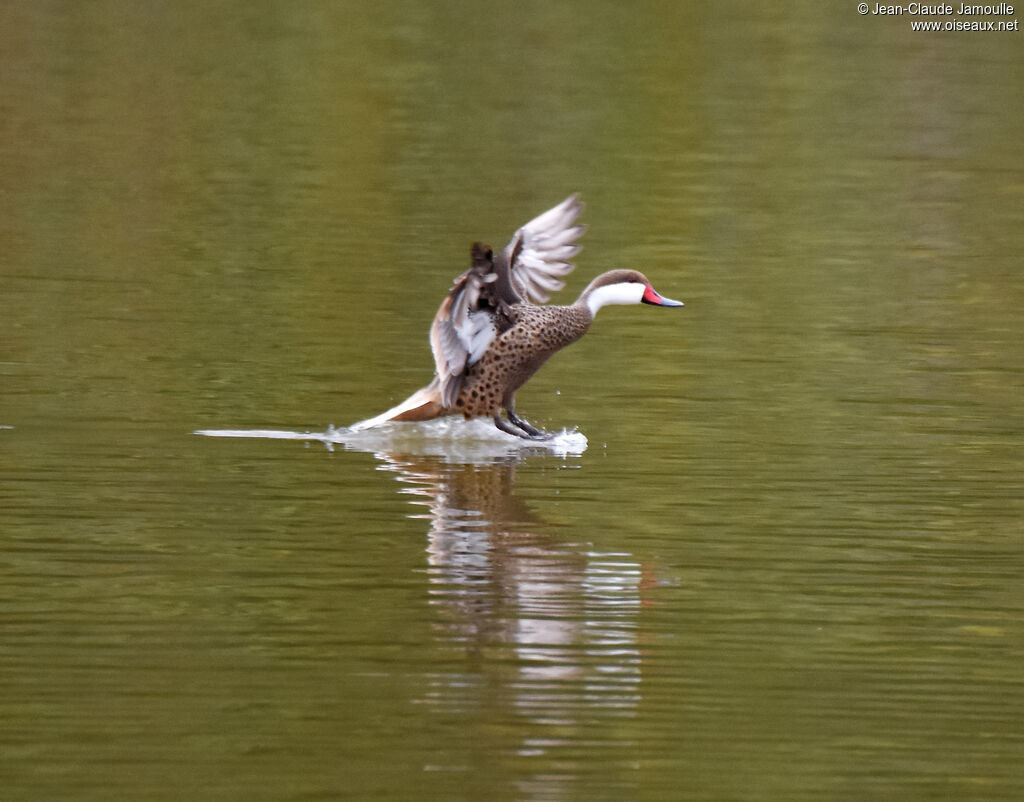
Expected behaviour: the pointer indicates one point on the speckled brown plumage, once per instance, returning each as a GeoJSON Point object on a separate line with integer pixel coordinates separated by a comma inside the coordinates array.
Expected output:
{"type": "Point", "coordinates": [515, 355]}
{"type": "Point", "coordinates": [491, 332]}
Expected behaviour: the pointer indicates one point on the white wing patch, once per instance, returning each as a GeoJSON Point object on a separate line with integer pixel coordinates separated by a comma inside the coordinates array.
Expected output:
{"type": "Point", "coordinates": [477, 335]}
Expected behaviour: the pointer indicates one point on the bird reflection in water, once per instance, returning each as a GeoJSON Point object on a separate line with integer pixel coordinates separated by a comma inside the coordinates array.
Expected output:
{"type": "Point", "coordinates": [550, 623]}
{"type": "Point", "coordinates": [539, 632]}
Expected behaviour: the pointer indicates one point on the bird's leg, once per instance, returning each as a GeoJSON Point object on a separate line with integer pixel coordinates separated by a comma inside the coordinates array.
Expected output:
{"type": "Point", "coordinates": [531, 430]}
{"type": "Point", "coordinates": [508, 428]}
{"type": "Point", "coordinates": [515, 420]}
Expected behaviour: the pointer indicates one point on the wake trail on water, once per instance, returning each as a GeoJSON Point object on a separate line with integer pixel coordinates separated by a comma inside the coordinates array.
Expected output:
{"type": "Point", "coordinates": [453, 437]}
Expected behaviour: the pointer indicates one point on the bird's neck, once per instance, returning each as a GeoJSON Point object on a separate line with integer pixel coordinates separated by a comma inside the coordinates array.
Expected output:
{"type": "Point", "coordinates": [610, 294]}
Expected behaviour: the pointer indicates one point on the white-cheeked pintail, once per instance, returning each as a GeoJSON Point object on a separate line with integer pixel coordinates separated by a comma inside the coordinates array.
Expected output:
{"type": "Point", "coordinates": [493, 332]}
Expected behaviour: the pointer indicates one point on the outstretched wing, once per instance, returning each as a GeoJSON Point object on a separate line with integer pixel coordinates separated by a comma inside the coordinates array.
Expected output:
{"type": "Point", "coordinates": [477, 307]}
{"type": "Point", "coordinates": [540, 251]}
{"type": "Point", "coordinates": [468, 320]}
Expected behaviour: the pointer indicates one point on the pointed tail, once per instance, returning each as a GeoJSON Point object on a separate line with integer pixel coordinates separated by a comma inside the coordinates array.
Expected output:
{"type": "Point", "coordinates": [424, 404]}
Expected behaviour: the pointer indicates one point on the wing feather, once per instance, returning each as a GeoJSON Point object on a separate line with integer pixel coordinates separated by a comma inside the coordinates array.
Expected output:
{"type": "Point", "coordinates": [540, 251]}
{"type": "Point", "coordinates": [465, 323]}
{"type": "Point", "coordinates": [478, 306]}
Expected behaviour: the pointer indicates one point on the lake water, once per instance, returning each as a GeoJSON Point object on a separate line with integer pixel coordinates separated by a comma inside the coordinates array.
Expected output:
{"type": "Point", "coordinates": [782, 559]}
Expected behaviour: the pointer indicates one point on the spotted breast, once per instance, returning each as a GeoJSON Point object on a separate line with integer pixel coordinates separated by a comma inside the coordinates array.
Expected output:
{"type": "Point", "coordinates": [515, 355]}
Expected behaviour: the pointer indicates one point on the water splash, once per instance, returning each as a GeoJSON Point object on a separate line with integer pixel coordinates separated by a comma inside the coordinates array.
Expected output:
{"type": "Point", "coordinates": [453, 438]}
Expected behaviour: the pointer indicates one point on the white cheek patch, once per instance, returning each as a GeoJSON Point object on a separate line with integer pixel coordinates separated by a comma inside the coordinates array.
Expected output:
{"type": "Point", "coordinates": [626, 292]}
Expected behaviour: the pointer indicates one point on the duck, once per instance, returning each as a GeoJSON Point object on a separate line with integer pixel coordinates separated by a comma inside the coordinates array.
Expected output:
{"type": "Point", "coordinates": [494, 329]}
